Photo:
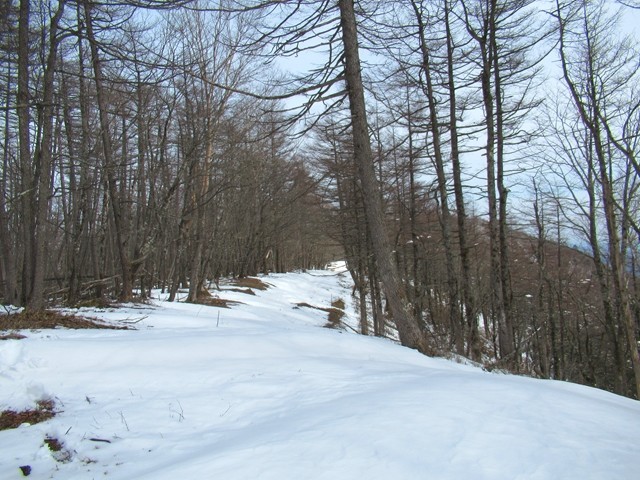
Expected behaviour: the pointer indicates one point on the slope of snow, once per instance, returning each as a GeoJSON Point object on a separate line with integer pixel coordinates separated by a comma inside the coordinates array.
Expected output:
{"type": "Point", "coordinates": [261, 391]}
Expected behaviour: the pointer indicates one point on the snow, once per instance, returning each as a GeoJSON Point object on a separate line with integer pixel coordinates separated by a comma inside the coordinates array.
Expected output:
{"type": "Point", "coordinates": [262, 391]}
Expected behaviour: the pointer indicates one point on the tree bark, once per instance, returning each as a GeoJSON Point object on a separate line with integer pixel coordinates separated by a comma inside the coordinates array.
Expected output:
{"type": "Point", "coordinates": [24, 138]}
{"type": "Point", "coordinates": [507, 332]}
{"type": "Point", "coordinates": [409, 330]}
{"type": "Point", "coordinates": [589, 110]}
{"type": "Point", "coordinates": [444, 216]}
{"type": "Point", "coordinates": [8, 261]}
{"type": "Point", "coordinates": [110, 168]}
{"type": "Point", "coordinates": [43, 160]}
{"type": "Point", "coordinates": [468, 297]}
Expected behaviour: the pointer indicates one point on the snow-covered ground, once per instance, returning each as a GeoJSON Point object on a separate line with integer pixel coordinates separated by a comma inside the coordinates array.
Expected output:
{"type": "Point", "coordinates": [262, 391]}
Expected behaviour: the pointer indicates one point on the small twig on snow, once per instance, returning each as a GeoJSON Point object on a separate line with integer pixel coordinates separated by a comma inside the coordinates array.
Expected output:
{"type": "Point", "coordinates": [124, 421]}
{"type": "Point", "coordinates": [103, 440]}
{"type": "Point", "coordinates": [225, 412]}
{"type": "Point", "coordinates": [130, 322]}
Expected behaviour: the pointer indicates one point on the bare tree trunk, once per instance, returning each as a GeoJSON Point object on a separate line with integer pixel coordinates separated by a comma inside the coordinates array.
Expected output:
{"type": "Point", "coordinates": [417, 290]}
{"type": "Point", "coordinates": [468, 297]}
{"type": "Point", "coordinates": [88, 195]}
{"type": "Point", "coordinates": [507, 341]}
{"type": "Point", "coordinates": [444, 216]}
{"type": "Point", "coordinates": [43, 162]}
{"type": "Point", "coordinates": [8, 261]}
{"type": "Point", "coordinates": [539, 323]}
{"type": "Point", "coordinates": [486, 41]}
{"type": "Point", "coordinates": [589, 110]}
{"type": "Point", "coordinates": [24, 139]}
{"type": "Point", "coordinates": [409, 330]}
{"type": "Point", "coordinates": [110, 168]}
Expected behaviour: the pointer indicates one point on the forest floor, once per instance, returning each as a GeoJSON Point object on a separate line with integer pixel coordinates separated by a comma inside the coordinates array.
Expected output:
{"type": "Point", "coordinates": [48, 319]}
{"type": "Point", "coordinates": [260, 390]}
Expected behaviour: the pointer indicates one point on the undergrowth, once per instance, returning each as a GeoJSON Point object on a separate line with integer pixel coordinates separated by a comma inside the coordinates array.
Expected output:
{"type": "Point", "coordinates": [335, 312]}
{"type": "Point", "coordinates": [46, 319]}
{"type": "Point", "coordinates": [43, 411]}
{"type": "Point", "coordinates": [250, 282]}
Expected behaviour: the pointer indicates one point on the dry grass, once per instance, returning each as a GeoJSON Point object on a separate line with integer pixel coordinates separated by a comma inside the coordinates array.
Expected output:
{"type": "Point", "coordinates": [336, 312]}
{"type": "Point", "coordinates": [339, 303]}
{"type": "Point", "coordinates": [53, 443]}
{"type": "Point", "coordinates": [46, 319]}
{"type": "Point", "coordinates": [45, 410]}
{"type": "Point", "coordinates": [246, 291]}
{"type": "Point", "coordinates": [99, 302]}
{"type": "Point", "coordinates": [250, 282]}
{"type": "Point", "coordinates": [11, 336]}
{"type": "Point", "coordinates": [57, 449]}
{"type": "Point", "coordinates": [217, 302]}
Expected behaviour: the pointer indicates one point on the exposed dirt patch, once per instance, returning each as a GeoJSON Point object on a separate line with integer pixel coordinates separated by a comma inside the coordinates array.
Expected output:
{"type": "Point", "coordinates": [217, 302]}
{"type": "Point", "coordinates": [11, 336]}
{"type": "Point", "coordinates": [57, 449]}
{"type": "Point", "coordinates": [53, 443]}
{"type": "Point", "coordinates": [336, 312]}
{"type": "Point", "coordinates": [250, 282]}
{"type": "Point", "coordinates": [45, 409]}
{"type": "Point", "coordinates": [247, 291]}
{"type": "Point", "coordinates": [45, 319]}
{"type": "Point", "coordinates": [99, 302]}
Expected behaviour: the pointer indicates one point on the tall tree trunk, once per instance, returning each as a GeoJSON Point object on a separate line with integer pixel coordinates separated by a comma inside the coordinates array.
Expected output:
{"type": "Point", "coordinates": [409, 330]}
{"type": "Point", "coordinates": [24, 139]}
{"type": "Point", "coordinates": [109, 163]}
{"type": "Point", "coordinates": [507, 340]}
{"type": "Point", "coordinates": [417, 290]}
{"type": "Point", "coordinates": [590, 114]}
{"type": "Point", "coordinates": [497, 303]}
{"type": "Point", "coordinates": [486, 41]}
{"type": "Point", "coordinates": [468, 297]}
{"type": "Point", "coordinates": [43, 160]}
{"type": "Point", "coordinates": [603, 282]}
{"type": "Point", "coordinates": [539, 323]}
{"type": "Point", "coordinates": [9, 276]}
{"type": "Point", "coordinates": [444, 216]}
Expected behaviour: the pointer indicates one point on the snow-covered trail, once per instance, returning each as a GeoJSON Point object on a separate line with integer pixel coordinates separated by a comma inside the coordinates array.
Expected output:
{"type": "Point", "coordinates": [261, 391]}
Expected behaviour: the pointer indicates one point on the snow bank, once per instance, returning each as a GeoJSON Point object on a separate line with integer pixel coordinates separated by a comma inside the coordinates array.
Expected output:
{"type": "Point", "coordinates": [261, 391]}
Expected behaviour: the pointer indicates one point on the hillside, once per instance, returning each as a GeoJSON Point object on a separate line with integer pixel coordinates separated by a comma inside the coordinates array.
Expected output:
{"type": "Point", "coordinates": [261, 390]}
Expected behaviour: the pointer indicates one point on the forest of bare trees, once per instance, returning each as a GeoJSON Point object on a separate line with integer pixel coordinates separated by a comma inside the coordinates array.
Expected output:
{"type": "Point", "coordinates": [473, 161]}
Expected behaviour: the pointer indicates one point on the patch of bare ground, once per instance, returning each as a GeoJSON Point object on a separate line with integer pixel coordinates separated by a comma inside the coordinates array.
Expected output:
{"type": "Point", "coordinates": [57, 449]}
{"type": "Point", "coordinates": [247, 291]}
{"type": "Point", "coordinates": [217, 302]}
{"type": "Point", "coordinates": [11, 336]}
{"type": "Point", "coordinates": [44, 410]}
{"type": "Point", "coordinates": [53, 443]}
{"type": "Point", "coordinates": [97, 302]}
{"type": "Point", "coordinates": [336, 312]}
{"type": "Point", "coordinates": [46, 319]}
{"type": "Point", "coordinates": [250, 282]}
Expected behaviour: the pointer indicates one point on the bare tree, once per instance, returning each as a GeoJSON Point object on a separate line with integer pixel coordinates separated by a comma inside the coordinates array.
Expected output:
{"type": "Point", "coordinates": [594, 69]}
{"type": "Point", "coordinates": [408, 328]}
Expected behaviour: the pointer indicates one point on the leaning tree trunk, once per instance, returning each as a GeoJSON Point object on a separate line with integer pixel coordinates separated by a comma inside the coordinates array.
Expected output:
{"type": "Point", "coordinates": [409, 330]}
